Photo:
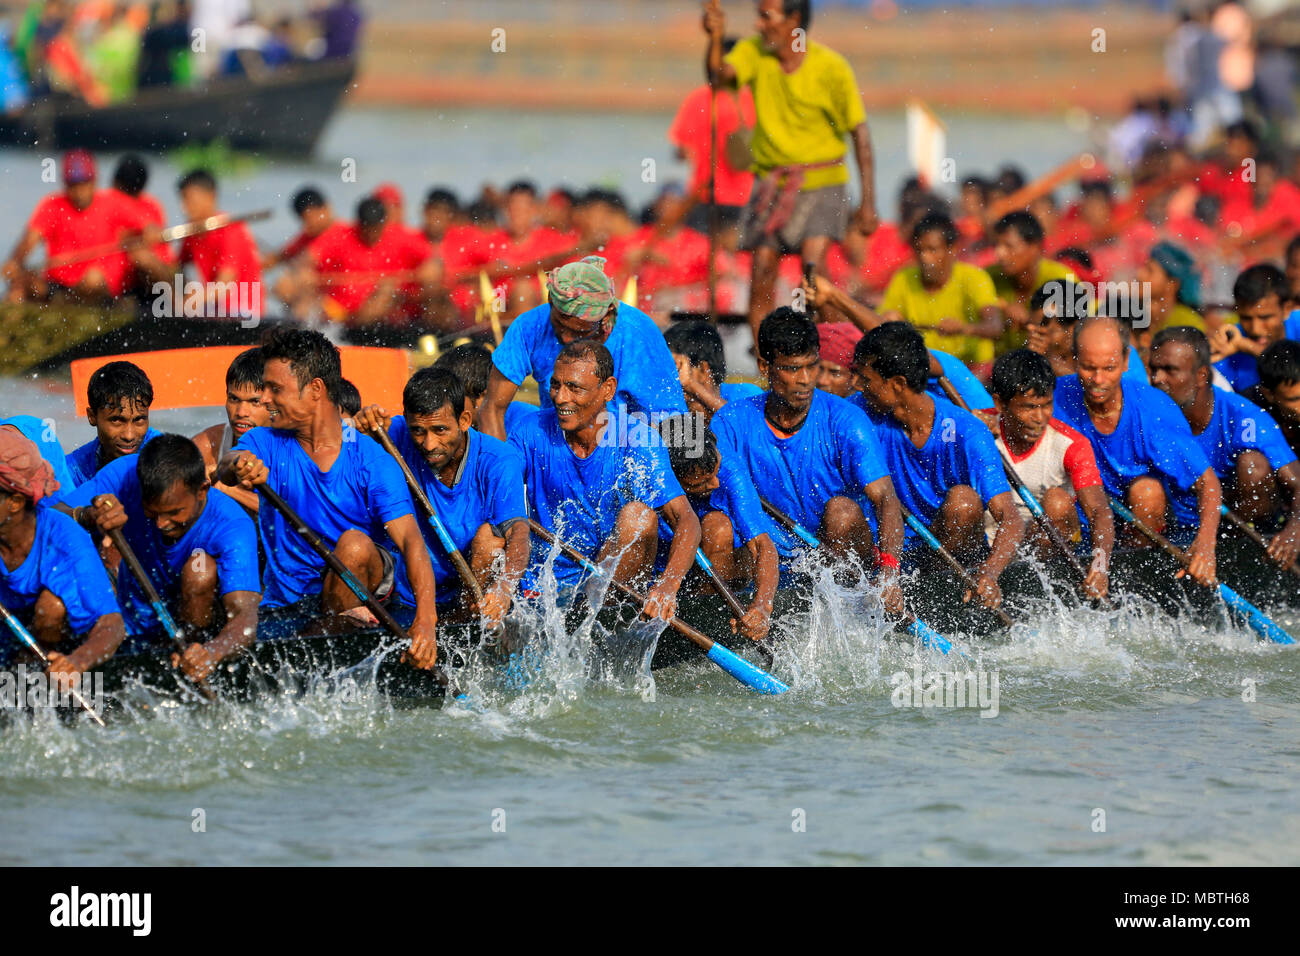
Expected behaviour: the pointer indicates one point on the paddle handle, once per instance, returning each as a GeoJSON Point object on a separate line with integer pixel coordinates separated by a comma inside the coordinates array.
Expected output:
{"type": "Point", "coordinates": [182, 231]}
{"type": "Point", "coordinates": [1241, 524]}
{"type": "Point", "coordinates": [24, 635]}
{"type": "Point", "coordinates": [794, 527]}
{"type": "Point", "coordinates": [928, 537]}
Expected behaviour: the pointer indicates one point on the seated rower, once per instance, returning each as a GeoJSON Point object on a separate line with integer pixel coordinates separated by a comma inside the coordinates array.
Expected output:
{"type": "Point", "coordinates": [696, 348]}
{"type": "Point", "coordinates": [1278, 391]}
{"type": "Point", "coordinates": [835, 373]}
{"type": "Point", "coordinates": [245, 409]}
{"type": "Point", "coordinates": [599, 491]}
{"type": "Point", "coordinates": [1258, 294]}
{"type": "Point", "coordinates": [348, 492]}
{"type": "Point", "coordinates": [50, 573]}
{"type": "Point", "coordinates": [472, 364]}
{"type": "Point", "coordinates": [1145, 450]}
{"type": "Point", "coordinates": [813, 456]}
{"type": "Point", "coordinates": [1054, 461]}
{"type": "Point", "coordinates": [118, 397]}
{"type": "Point", "coordinates": [1258, 469]}
{"type": "Point", "coordinates": [40, 432]}
{"type": "Point", "coordinates": [475, 483]}
{"type": "Point", "coordinates": [226, 259]}
{"type": "Point", "coordinates": [581, 304]}
{"type": "Point", "coordinates": [734, 530]}
{"type": "Point", "coordinates": [945, 466]}
{"type": "Point", "coordinates": [1054, 308]}
{"type": "Point", "coordinates": [198, 547]}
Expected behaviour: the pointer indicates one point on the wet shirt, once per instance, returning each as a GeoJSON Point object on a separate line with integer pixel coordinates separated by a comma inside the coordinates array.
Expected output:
{"type": "Point", "coordinates": [1238, 425]}
{"type": "Point", "coordinates": [737, 498]}
{"type": "Point", "coordinates": [972, 392]}
{"type": "Point", "coordinates": [83, 463]}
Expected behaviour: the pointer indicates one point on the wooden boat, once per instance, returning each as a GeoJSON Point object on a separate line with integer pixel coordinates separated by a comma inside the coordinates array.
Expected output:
{"type": "Point", "coordinates": [280, 111]}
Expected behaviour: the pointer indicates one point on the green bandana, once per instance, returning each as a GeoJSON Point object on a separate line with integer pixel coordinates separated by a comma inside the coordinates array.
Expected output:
{"type": "Point", "coordinates": [581, 290]}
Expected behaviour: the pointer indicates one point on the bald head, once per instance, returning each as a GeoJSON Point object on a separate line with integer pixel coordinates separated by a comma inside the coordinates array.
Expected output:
{"type": "Point", "coordinates": [1101, 332]}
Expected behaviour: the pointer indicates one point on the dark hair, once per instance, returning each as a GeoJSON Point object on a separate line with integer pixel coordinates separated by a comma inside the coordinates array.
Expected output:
{"type": "Point", "coordinates": [1243, 128]}
{"type": "Point", "coordinates": [310, 356]}
{"type": "Point", "coordinates": [1125, 336]}
{"type": "Point", "coordinates": [1292, 247]}
{"type": "Point", "coordinates": [371, 212]}
{"type": "Point", "coordinates": [246, 369]}
{"type": "Point", "coordinates": [1100, 187]}
{"type": "Point", "coordinates": [685, 458]}
{"type": "Point", "coordinates": [1194, 339]}
{"type": "Point", "coordinates": [166, 460]}
{"type": "Point", "coordinates": [441, 197]}
{"type": "Point", "coordinates": [1258, 283]}
{"type": "Point", "coordinates": [1026, 225]}
{"type": "Point", "coordinates": [801, 7]}
{"type": "Point", "coordinates": [131, 175]}
{"type": "Point", "coordinates": [1009, 179]}
{"type": "Point", "coordinates": [308, 198]}
{"type": "Point", "coordinates": [197, 177]}
{"type": "Point", "coordinates": [346, 396]}
{"type": "Point", "coordinates": [470, 363]}
{"type": "Point", "coordinates": [1280, 364]}
{"type": "Point", "coordinates": [895, 349]}
{"type": "Point", "coordinates": [700, 342]}
{"type": "Point", "coordinates": [787, 332]}
{"type": "Point", "coordinates": [118, 382]}
{"type": "Point", "coordinates": [1022, 372]}
{"type": "Point", "coordinates": [430, 389]}
{"type": "Point", "coordinates": [935, 222]}
{"type": "Point", "coordinates": [589, 349]}
{"type": "Point", "coordinates": [979, 183]}
{"type": "Point", "coordinates": [522, 186]}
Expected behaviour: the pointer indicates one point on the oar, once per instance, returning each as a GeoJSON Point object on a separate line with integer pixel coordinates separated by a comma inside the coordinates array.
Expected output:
{"type": "Point", "coordinates": [25, 636]}
{"type": "Point", "coordinates": [739, 668]}
{"type": "Point", "coordinates": [1259, 622]}
{"type": "Point", "coordinates": [915, 626]}
{"type": "Point", "coordinates": [182, 231]}
{"type": "Point", "coordinates": [338, 567]}
{"type": "Point", "coordinates": [928, 537]}
{"type": "Point", "coordinates": [155, 600]}
{"type": "Point", "coordinates": [1053, 533]}
{"type": "Point", "coordinates": [1246, 528]}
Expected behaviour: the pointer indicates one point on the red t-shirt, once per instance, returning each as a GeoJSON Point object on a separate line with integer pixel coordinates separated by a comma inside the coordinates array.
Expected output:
{"type": "Point", "coordinates": [887, 252]}
{"type": "Point", "coordinates": [151, 212]}
{"type": "Point", "coordinates": [343, 251]}
{"type": "Point", "coordinates": [1233, 192]}
{"type": "Point", "coordinates": [229, 248]}
{"type": "Point", "coordinates": [690, 131]}
{"type": "Point", "coordinates": [304, 243]}
{"type": "Point", "coordinates": [66, 229]}
{"type": "Point", "coordinates": [686, 273]}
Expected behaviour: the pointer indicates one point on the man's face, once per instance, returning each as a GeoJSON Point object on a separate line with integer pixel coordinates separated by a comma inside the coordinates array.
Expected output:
{"type": "Point", "coordinates": [371, 234]}
{"type": "Point", "coordinates": [1236, 150]}
{"type": "Point", "coordinates": [1173, 370]}
{"type": "Point", "coordinates": [521, 213]}
{"type": "Point", "coordinates": [1026, 415]}
{"type": "Point", "coordinates": [836, 379]}
{"type": "Point", "coordinates": [1286, 395]}
{"type": "Point", "coordinates": [972, 201]}
{"type": "Point", "coordinates": [175, 512]}
{"type": "Point", "coordinates": [437, 218]}
{"type": "Point", "coordinates": [1014, 254]}
{"type": "Point", "coordinates": [440, 437]}
{"type": "Point", "coordinates": [934, 256]}
{"type": "Point", "coordinates": [81, 195]}
{"type": "Point", "coordinates": [288, 405]}
{"type": "Point", "coordinates": [701, 482]}
{"type": "Point", "coordinates": [1264, 321]}
{"type": "Point", "coordinates": [198, 202]}
{"type": "Point", "coordinates": [1153, 273]}
{"type": "Point", "coordinates": [568, 329]}
{"type": "Point", "coordinates": [245, 409]}
{"type": "Point", "coordinates": [316, 220]}
{"type": "Point", "coordinates": [773, 25]}
{"type": "Point", "coordinates": [578, 394]}
{"type": "Point", "coordinates": [1101, 362]}
{"type": "Point", "coordinates": [121, 428]}
{"type": "Point", "coordinates": [1046, 336]}
{"type": "Point", "coordinates": [793, 378]}
{"type": "Point", "coordinates": [881, 394]}
{"type": "Point", "coordinates": [1094, 210]}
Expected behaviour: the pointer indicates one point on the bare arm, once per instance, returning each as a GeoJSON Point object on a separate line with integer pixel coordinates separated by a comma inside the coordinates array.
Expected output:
{"type": "Point", "coordinates": [889, 515]}
{"type": "Point", "coordinates": [717, 70]}
{"type": "Point", "coordinates": [662, 599]}
{"type": "Point", "coordinates": [419, 572]}
{"type": "Point", "coordinates": [868, 219]}
{"type": "Point", "coordinates": [1011, 530]}
{"type": "Point", "coordinates": [767, 573]}
{"type": "Point", "coordinates": [492, 413]}
{"type": "Point", "coordinates": [100, 644]}
{"type": "Point", "coordinates": [1097, 510]}
{"type": "Point", "coordinates": [1285, 545]}
{"type": "Point", "coordinates": [1209, 496]}
{"type": "Point", "coordinates": [200, 660]}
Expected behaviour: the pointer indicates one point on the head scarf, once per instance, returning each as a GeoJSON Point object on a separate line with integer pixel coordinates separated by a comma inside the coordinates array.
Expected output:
{"type": "Point", "coordinates": [22, 469]}
{"type": "Point", "coordinates": [837, 342]}
{"type": "Point", "coordinates": [1179, 265]}
{"type": "Point", "coordinates": [581, 290]}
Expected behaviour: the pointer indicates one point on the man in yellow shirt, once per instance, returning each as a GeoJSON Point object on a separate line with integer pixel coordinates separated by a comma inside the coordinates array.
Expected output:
{"type": "Point", "coordinates": [1020, 271]}
{"type": "Point", "coordinates": [806, 100]}
{"type": "Point", "coordinates": [952, 303]}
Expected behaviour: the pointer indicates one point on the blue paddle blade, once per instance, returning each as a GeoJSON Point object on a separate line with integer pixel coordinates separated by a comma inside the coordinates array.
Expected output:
{"type": "Point", "coordinates": [928, 635]}
{"type": "Point", "coordinates": [1259, 622]}
{"type": "Point", "coordinates": [745, 672]}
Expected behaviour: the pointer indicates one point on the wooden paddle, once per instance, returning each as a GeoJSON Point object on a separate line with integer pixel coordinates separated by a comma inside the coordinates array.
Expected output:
{"type": "Point", "coordinates": [155, 601]}
{"type": "Point", "coordinates": [1244, 526]}
{"type": "Point", "coordinates": [928, 537]}
{"type": "Point", "coordinates": [25, 636]}
{"type": "Point", "coordinates": [184, 230]}
{"type": "Point", "coordinates": [1022, 197]}
{"type": "Point", "coordinates": [737, 667]}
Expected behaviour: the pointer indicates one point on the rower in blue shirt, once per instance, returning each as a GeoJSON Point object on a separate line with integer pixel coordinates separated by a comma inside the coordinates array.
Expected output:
{"type": "Point", "coordinates": [943, 460]}
{"type": "Point", "coordinates": [1258, 295]}
{"type": "Point", "coordinates": [118, 397]}
{"type": "Point", "coordinates": [344, 486]}
{"type": "Point", "coordinates": [581, 304]}
{"type": "Point", "coordinates": [472, 364]}
{"type": "Point", "coordinates": [51, 576]}
{"type": "Point", "coordinates": [813, 456]}
{"type": "Point", "coordinates": [41, 434]}
{"type": "Point", "coordinates": [1246, 449]}
{"type": "Point", "coordinates": [1145, 450]}
{"type": "Point", "coordinates": [734, 530]}
{"type": "Point", "coordinates": [474, 482]}
{"type": "Point", "coordinates": [596, 479]}
{"type": "Point", "coordinates": [197, 545]}
{"type": "Point", "coordinates": [696, 348]}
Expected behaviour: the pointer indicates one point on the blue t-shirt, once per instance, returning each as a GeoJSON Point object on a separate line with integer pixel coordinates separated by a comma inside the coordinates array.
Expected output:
{"type": "Point", "coordinates": [578, 499]}
{"type": "Point", "coordinates": [646, 373]}
{"type": "Point", "coordinates": [364, 489]}
{"type": "Point", "coordinates": [1242, 369]}
{"type": "Point", "coordinates": [1152, 438]}
{"type": "Point", "coordinates": [734, 391]}
{"type": "Point", "coordinates": [490, 490]}
{"type": "Point", "coordinates": [224, 532]}
{"type": "Point", "coordinates": [1135, 368]}
{"type": "Point", "coordinates": [84, 462]}
{"type": "Point", "coordinates": [972, 392]}
{"type": "Point", "coordinates": [833, 453]}
{"type": "Point", "coordinates": [1239, 425]}
{"type": "Point", "coordinates": [960, 450]}
{"type": "Point", "coordinates": [42, 436]}
{"type": "Point", "coordinates": [63, 561]}
{"type": "Point", "coordinates": [517, 412]}
{"type": "Point", "coordinates": [737, 498]}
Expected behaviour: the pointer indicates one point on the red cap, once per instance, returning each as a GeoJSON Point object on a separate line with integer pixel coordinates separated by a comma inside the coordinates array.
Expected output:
{"type": "Point", "coordinates": [837, 342]}
{"type": "Point", "coordinates": [390, 194]}
{"type": "Point", "coordinates": [78, 167]}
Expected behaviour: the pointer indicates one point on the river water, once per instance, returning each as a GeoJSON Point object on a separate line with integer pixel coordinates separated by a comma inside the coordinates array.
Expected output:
{"type": "Point", "coordinates": [1120, 737]}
